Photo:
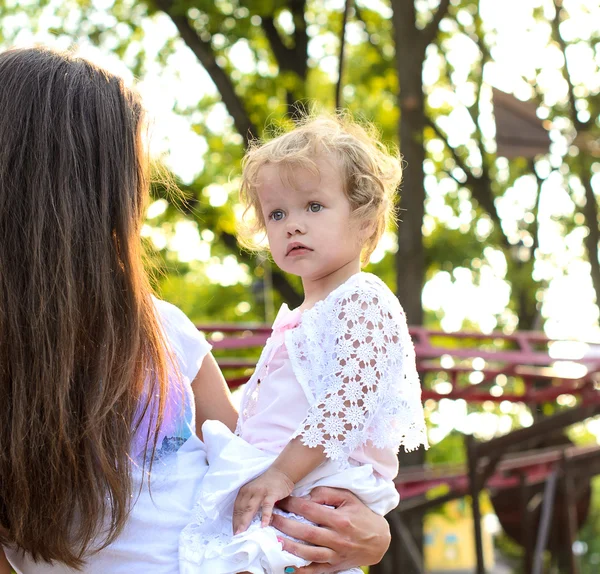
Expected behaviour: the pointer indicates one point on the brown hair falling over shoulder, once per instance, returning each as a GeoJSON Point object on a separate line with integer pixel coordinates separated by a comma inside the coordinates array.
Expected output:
{"type": "Point", "coordinates": [78, 331]}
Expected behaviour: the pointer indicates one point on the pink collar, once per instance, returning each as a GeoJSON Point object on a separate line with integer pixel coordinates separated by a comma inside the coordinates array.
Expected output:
{"type": "Point", "coordinates": [286, 319]}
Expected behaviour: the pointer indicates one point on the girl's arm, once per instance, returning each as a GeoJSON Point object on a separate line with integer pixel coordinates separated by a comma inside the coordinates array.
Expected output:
{"type": "Point", "coordinates": [212, 396]}
{"type": "Point", "coordinates": [4, 565]}
{"type": "Point", "coordinates": [346, 534]}
{"type": "Point", "coordinates": [294, 462]}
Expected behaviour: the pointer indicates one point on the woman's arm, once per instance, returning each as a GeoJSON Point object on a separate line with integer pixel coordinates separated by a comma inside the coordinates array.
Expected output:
{"type": "Point", "coordinates": [212, 396]}
{"type": "Point", "coordinates": [347, 536]}
{"type": "Point", "coordinates": [4, 565]}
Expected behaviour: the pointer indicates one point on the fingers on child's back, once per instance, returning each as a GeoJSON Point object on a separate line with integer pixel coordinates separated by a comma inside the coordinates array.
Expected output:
{"type": "Point", "coordinates": [314, 554]}
{"type": "Point", "coordinates": [312, 511]}
{"type": "Point", "coordinates": [315, 569]}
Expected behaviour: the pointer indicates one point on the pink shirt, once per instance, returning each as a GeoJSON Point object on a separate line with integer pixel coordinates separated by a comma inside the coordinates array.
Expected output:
{"type": "Point", "coordinates": [279, 405]}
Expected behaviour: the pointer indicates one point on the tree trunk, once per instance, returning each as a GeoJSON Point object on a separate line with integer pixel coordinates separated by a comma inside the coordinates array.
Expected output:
{"type": "Point", "coordinates": [410, 260]}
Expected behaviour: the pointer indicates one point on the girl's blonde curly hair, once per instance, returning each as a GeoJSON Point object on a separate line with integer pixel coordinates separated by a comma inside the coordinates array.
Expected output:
{"type": "Point", "coordinates": [370, 171]}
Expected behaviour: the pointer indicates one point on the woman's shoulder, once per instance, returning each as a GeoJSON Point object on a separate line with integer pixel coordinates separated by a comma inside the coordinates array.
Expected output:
{"type": "Point", "coordinates": [173, 319]}
{"type": "Point", "coordinates": [184, 337]}
{"type": "Point", "coordinates": [169, 313]}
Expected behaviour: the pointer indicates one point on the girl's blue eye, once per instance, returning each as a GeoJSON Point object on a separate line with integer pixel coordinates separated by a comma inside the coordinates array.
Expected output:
{"type": "Point", "coordinates": [277, 215]}
{"type": "Point", "coordinates": [315, 207]}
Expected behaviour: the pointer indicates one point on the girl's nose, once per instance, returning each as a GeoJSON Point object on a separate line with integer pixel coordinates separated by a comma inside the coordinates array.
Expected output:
{"type": "Point", "coordinates": [295, 227]}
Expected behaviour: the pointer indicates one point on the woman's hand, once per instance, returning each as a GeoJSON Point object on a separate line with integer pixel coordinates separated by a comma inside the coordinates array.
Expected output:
{"type": "Point", "coordinates": [347, 536]}
{"type": "Point", "coordinates": [261, 493]}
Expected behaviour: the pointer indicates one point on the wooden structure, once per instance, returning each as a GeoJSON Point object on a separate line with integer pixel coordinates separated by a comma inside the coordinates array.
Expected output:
{"type": "Point", "coordinates": [519, 130]}
{"type": "Point", "coordinates": [523, 367]}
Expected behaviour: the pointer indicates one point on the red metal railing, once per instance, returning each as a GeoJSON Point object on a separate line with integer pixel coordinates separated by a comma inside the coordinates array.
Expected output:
{"type": "Point", "coordinates": [453, 365]}
{"type": "Point", "coordinates": [529, 371]}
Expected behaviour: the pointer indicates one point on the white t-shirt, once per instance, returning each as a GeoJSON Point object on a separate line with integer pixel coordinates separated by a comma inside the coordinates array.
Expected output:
{"type": "Point", "coordinates": [149, 542]}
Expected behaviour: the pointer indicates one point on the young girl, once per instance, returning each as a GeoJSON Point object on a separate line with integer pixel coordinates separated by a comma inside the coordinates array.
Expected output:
{"type": "Point", "coordinates": [335, 391]}
{"type": "Point", "coordinates": [99, 381]}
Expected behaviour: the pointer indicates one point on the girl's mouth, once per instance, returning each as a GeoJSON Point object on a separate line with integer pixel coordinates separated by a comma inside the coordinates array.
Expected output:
{"type": "Point", "coordinates": [297, 249]}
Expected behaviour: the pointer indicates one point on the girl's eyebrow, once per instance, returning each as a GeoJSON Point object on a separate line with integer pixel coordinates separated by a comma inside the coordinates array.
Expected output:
{"type": "Point", "coordinates": [316, 195]}
{"type": "Point", "coordinates": [268, 203]}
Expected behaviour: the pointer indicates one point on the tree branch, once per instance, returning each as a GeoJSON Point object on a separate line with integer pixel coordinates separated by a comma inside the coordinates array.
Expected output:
{"type": "Point", "coordinates": [558, 10]}
{"type": "Point", "coordinates": [590, 211]}
{"type": "Point", "coordinates": [452, 176]}
{"type": "Point", "coordinates": [475, 111]}
{"type": "Point", "coordinates": [480, 187]}
{"type": "Point", "coordinates": [375, 46]}
{"type": "Point", "coordinates": [282, 53]}
{"type": "Point", "coordinates": [280, 282]}
{"type": "Point", "coordinates": [338, 88]}
{"type": "Point", "coordinates": [188, 204]}
{"type": "Point", "coordinates": [205, 54]}
{"type": "Point", "coordinates": [430, 31]}
{"type": "Point", "coordinates": [298, 8]}
{"type": "Point", "coordinates": [290, 59]}
{"type": "Point", "coordinates": [535, 232]}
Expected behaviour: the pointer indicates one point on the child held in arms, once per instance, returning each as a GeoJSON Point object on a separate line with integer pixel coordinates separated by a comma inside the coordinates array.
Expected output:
{"type": "Point", "coordinates": [335, 392]}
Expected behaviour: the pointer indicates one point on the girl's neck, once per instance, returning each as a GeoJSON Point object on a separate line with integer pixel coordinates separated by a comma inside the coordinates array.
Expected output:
{"type": "Point", "coordinates": [316, 290]}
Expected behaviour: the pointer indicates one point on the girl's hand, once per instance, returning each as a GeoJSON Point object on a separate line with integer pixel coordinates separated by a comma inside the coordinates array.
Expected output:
{"type": "Point", "coordinates": [347, 536]}
{"type": "Point", "coordinates": [261, 493]}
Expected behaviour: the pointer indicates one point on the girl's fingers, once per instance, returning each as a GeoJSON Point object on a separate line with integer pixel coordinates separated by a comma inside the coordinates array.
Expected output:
{"type": "Point", "coordinates": [267, 512]}
{"type": "Point", "coordinates": [244, 510]}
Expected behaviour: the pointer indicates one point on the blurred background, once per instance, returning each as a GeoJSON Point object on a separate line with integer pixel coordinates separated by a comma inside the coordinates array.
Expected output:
{"type": "Point", "coordinates": [495, 106]}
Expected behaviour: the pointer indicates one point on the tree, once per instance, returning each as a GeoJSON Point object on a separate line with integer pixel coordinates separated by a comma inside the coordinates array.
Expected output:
{"type": "Point", "coordinates": [422, 72]}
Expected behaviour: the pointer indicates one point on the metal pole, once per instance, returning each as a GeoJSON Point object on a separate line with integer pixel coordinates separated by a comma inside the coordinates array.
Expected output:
{"type": "Point", "coordinates": [545, 521]}
{"type": "Point", "coordinates": [571, 514]}
{"type": "Point", "coordinates": [410, 545]}
{"type": "Point", "coordinates": [526, 522]}
{"type": "Point", "coordinates": [474, 488]}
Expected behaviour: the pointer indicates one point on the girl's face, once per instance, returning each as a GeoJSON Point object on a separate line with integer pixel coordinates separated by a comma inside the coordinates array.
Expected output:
{"type": "Point", "coordinates": [310, 227]}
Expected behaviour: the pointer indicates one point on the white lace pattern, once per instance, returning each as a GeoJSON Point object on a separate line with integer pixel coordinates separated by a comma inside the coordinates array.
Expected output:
{"type": "Point", "coordinates": [354, 354]}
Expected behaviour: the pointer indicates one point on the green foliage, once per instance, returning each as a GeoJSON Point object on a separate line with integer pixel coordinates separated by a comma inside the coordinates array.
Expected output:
{"type": "Point", "coordinates": [450, 450]}
{"type": "Point", "coordinates": [265, 85]}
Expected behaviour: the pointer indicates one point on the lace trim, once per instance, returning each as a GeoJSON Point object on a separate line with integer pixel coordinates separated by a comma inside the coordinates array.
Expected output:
{"type": "Point", "coordinates": [367, 384]}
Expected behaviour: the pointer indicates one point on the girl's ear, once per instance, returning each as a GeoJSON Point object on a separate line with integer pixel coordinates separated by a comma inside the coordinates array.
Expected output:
{"type": "Point", "coordinates": [367, 228]}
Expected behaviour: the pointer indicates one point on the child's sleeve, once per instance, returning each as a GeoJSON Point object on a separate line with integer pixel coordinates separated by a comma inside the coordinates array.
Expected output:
{"type": "Point", "coordinates": [370, 389]}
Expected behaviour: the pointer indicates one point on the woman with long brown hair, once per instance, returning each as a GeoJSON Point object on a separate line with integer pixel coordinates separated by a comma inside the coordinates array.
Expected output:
{"type": "Point", "coordinates": [101, 384]}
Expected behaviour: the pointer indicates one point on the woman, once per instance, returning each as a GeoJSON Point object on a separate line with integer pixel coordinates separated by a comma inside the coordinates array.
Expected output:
{"type": "Point", "coordinates": [99, 459]}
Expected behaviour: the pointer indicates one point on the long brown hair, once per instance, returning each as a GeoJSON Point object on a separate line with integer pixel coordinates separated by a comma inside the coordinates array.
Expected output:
{"type": "Point", "coordinates": [80, 344]}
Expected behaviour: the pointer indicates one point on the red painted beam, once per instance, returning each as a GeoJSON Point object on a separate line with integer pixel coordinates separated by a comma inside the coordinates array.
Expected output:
{"type": "Point", "coordinates": [535, 465]}
{"type": "Point", "coordinates": [525, 361]}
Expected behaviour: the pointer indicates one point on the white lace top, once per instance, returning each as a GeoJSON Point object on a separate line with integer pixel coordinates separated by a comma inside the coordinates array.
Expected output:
{"type": "Point", "coordinates": [353, 358]}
